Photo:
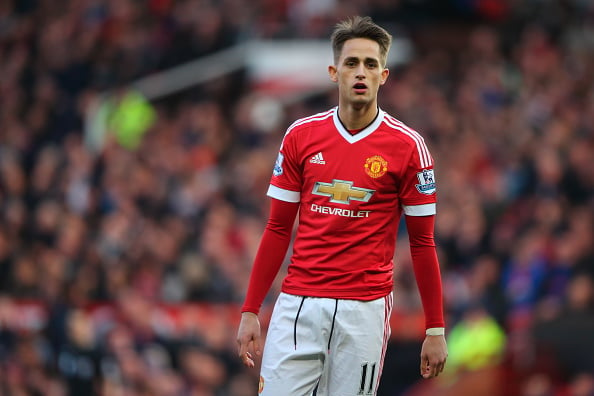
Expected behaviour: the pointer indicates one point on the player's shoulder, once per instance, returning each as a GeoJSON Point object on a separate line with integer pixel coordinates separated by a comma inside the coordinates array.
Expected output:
{"type": "Point", "coordinates": [409, 136]}
{"type": "Point", "coordinates": [314, 120]}
{"type": "Point", "coordinates": [402, 131]}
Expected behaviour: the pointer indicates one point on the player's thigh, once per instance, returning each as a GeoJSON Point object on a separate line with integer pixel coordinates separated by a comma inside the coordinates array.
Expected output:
{"type": "Point", "coordinates": [293, 360]}
{"type": "Point", "coordinates": [358, 347]}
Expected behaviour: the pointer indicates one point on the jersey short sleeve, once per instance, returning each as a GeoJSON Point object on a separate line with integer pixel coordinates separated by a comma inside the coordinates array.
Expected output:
{"type": "Point", "coordinates": [418, 188]}
{"type": "Point", "coordinates": [286, 180]}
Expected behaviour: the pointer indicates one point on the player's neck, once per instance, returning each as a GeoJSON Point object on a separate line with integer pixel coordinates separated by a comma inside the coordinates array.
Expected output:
{"type": "Point", "coordinates": [357, 118]}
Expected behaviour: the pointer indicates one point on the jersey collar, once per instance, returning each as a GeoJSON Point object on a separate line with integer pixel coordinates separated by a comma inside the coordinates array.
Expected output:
{"type": "Point", "coordinates": [361, 134]}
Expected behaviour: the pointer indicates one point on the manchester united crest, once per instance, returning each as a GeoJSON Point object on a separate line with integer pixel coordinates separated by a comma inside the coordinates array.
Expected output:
{"type": "Point", "coordinates": [376, 166]}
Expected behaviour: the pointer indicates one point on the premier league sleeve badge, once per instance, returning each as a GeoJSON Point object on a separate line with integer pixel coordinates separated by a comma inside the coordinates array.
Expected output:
{"type": "Point", "coordinates": [278, 166]}
{"type": "Point", "coordinates": [426, 182]}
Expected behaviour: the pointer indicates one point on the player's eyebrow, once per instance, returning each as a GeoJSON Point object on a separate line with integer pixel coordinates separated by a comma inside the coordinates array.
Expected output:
{"type": "Point", "coordinates": [354, 58]}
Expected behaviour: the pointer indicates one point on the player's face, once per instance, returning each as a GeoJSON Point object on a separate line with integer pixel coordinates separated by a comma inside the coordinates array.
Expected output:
{"type": "Point", "coordinates": [359, 72]}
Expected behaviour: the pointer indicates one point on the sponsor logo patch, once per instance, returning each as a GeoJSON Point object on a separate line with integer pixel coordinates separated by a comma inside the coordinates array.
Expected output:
{"type": "Point", "coordinates": [341, 191]}
{"type": "Point", "coordinates": [426, 182]}
{"type": "Point", "coordinates": [339, 211]}
{"type": "Point", "coordinates": [376, 166]}
{"type": "Point", "coordinates": [278, 166]}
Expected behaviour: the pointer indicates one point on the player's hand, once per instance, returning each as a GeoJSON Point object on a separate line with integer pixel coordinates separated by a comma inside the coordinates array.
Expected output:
{"type": "Point", "coordinates": [433, 356]}
{"type": "Point", "coordinates": [248, 337]}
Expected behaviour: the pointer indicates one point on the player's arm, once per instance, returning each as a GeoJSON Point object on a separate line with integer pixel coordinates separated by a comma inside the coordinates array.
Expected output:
{"type": "Point", "coordinates": [417, 195]}
{"type": "Point", "coordinates": [269, 258]}
{"type": "Point", "coordinates": [427, 274]}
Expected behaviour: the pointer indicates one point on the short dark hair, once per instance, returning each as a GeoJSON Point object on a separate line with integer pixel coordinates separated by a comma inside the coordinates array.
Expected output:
{"type": "Point", "coordinates": [360, 27]}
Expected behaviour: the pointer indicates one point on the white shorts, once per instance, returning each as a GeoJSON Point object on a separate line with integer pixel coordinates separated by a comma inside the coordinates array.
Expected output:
{"type": "Point", "coordinates": [333, 347]}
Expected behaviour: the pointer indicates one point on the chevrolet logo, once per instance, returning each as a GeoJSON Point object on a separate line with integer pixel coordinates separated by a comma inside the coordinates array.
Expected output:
{"type": "Point", "coordinates": [341, 191]}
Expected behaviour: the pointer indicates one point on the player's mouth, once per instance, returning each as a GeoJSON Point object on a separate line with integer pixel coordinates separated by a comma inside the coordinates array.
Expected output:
{"type": "Point", "coordinates": [360, 88]}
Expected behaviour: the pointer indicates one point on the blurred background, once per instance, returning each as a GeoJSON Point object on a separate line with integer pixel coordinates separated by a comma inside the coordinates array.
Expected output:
{"type": "Point", "coordinates": [137, 139]}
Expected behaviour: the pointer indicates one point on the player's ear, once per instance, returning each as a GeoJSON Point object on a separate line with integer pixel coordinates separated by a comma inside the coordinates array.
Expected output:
{"type": "Point", "coordinates": [332, 73]}
{"type": "Point", "coordinates": [385, 74]}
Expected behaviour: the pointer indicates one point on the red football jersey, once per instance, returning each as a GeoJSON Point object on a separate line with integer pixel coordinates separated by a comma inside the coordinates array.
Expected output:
{"type": "Point", "coordinates": [352, 190]}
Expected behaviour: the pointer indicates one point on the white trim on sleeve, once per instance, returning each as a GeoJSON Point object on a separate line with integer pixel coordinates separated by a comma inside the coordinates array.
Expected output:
{"type": "Point", "coordinates": [420, 210]}
{"type": "Point", "coordinates": [435, 331]}
{"type": "Point", "coordinates": [283, 195]}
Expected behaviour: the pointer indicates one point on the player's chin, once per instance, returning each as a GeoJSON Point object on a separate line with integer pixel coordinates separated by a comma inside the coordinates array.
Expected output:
{"type": "Point", "coordinates": [360, 97]}
{"type": "Point", "coordinates": [360, 101]}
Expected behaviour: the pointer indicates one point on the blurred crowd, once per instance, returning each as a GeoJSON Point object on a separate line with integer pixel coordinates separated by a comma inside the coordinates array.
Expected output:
{"type": "Point", "coordinates": [122, 269]}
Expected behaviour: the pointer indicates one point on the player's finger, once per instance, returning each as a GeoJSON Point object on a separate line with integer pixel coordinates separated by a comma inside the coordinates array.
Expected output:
{"type": "Point", "coordinates": [430, 369]}
{"type": "Point", "coordinates": [247, 360]}
{"type": "Point", "coordinates": [242, 349]}
{"type": "Point", "coordinates": [425, 368]}
{"type": "Point", "coordinates": [257, 346]}
{"type": "Point", "coordinates": [441, 367]}
{"type": "Point", "coordinates": [437, 370]}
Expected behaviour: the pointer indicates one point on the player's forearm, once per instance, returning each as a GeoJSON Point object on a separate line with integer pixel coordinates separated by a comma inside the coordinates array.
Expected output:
{"type": "Point", "coordinates": [426, 268]}
{"type": "Point", "coordinates": [429, 282]}
{"type": "Point", "coordinates": [271, 253]}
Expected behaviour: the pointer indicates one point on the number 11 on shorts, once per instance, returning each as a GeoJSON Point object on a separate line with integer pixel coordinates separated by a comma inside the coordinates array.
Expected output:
{"type": "Point", "coordinates": [367, 379]}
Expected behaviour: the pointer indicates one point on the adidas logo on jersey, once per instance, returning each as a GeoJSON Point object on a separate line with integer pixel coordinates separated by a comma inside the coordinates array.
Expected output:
{"type": "Point", "coordinates": [318, 159]}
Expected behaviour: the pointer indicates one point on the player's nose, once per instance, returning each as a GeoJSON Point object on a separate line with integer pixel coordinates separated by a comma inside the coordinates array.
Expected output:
{"type": "Point", "coordinates": [360, 71]}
